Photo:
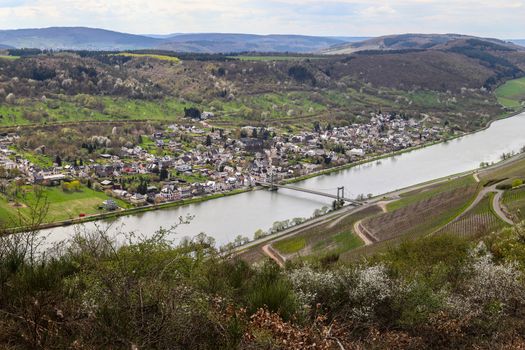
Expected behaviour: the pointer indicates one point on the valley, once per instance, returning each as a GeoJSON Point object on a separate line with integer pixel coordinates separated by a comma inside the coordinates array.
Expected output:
{"type": "Point", "coordinates": [217, 185]}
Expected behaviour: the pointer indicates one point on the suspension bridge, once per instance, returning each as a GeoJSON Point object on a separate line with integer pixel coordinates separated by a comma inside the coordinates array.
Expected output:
{"type": "Point", "coordinates": [340, 196]}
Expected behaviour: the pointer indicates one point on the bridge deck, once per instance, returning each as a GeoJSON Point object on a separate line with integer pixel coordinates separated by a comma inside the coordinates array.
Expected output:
{"type": "Point", "coordinates": [300, 189]}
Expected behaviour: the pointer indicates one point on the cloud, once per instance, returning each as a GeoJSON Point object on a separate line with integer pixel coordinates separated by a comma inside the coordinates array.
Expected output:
{"type": "Point", "coordinates": [327, 17]}
{"type": "Point", "coordinates": [383, 10]}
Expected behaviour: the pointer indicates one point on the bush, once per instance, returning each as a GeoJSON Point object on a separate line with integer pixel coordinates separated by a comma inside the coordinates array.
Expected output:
{"type": "Point", "coordinates": [504, 187]}
{"type": "Point", "coordinates": [270, 290]}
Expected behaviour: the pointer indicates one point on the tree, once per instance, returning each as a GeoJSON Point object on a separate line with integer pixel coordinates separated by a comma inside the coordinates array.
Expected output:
{"type": "Point", "coordinates": [58, 160]}
{"type": "Point", "coordinates": [192, 112]}
{"type": "Point", "coordinates": [164, 174]}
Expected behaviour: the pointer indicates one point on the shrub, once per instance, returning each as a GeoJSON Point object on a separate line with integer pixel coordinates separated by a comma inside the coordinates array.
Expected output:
{"type": "Point", "coordinates": [270, 289]}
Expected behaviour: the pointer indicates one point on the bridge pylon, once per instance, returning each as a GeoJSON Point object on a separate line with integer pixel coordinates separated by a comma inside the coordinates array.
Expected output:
{"type": "Point", "coordinates": [340, 193]}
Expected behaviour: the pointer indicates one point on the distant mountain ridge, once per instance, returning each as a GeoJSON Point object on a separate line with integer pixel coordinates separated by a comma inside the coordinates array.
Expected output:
{"type": "Point", "coordinates": [219, 42]}
{"type": "Point", "coordinates": [412, 42]}
{"type": "Point", "coordinates": [77, 38]}
{"type": "Point", "coordinates": [82, 38]}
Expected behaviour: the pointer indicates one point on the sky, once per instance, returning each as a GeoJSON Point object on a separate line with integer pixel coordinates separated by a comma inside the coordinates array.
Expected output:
{"type": "Point", "coordinates": [502, 19]}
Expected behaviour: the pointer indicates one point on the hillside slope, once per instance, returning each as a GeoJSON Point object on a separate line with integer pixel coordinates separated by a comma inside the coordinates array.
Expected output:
{"type": "Point", "coordinates": [221, 43]}
{"type": "Point", "coordinates": [78, 38]}
{"type": "Point", "coordinates": [409, 42]}
{"type": "Point", "coordinates": [81, 38]}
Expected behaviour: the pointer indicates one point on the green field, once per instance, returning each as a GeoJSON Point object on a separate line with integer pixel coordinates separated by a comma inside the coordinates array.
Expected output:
{"type": "Point", "coordinates": [6, 57]}
{"type": "Point", "coordinates": [290, 245]}
{"type": "Point", "coordinates": [89, 108]}
{"type": "Point", "coordinates": [158, 57]}
{"type": "Point", "coordinates": [62, 205]}
{"type": "Point", "coordinates": [512, 93]}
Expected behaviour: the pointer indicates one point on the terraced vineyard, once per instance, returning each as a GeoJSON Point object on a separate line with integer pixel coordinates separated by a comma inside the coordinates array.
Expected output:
{"type": "Point", "coordinates": [514, 200]}
{"type": "Point", "coordinates": [422, 217]}
{"type": "Point", "coordinates": [478, 221]}
{"type": "Point", "coordinates": [334, 237]}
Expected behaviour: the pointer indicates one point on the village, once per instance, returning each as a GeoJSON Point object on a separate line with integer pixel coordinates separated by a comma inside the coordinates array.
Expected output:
{"type": "Point", "coordinates": [217, 160]}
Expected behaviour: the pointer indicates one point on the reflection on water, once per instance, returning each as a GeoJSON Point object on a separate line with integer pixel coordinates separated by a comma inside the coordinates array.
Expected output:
{"type": "Point", "coordinates": [227, 217]}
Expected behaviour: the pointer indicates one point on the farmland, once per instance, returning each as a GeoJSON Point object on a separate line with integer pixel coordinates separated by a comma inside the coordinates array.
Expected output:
{"type": "Point", "coordinates": [478, 221]}
{"type": "Point", "coordinates": [512, 93]}
{"type": "Point", "coordinates": [514, 200]}
{"type": "Point", "coordinates": [318, 240]}
{"type": "Point", "coordinates": [62, 205]}
{"type": "Point", "coordinates": [171, 59]}
{"type": "Point", "coordinates": [428, 192]}
{"type": "Point", "coordinates": [422, 217]}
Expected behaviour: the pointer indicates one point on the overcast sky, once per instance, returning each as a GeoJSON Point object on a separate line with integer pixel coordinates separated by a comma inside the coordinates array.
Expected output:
{"type": "Point", "coordinates": [504, 19]}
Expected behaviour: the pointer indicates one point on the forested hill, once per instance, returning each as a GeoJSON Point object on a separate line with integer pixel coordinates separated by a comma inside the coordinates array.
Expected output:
{"type": "Point", "coordinates": [81, 38]}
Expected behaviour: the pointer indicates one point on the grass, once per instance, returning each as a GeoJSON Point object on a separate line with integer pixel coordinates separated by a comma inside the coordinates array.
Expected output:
{"type": "Point", "coordinates": [321, 240]}
{"type": "Point", "coordinates": [346, 241]}
{"type": "Point", "coordinates": [90, 108]}
{"type": "Point", "coordinates": [10, 58]}
{"type": "Point", "coordinates": [513, 169]}
{"type": "Point", "coordinates": [290, 245]}
{"type": "Point", "coordinates": [512, 93]}
{"type": "Point", "coordinates": [424, 216]}
{"type": "Point", "coordinates": [62, 205]}
{"type": "Point", "coordinates": [514, 200]}
{"type": "Point", "coordinates": [480, 220]}
{"type": "Point", "coordinates": [158, 57]}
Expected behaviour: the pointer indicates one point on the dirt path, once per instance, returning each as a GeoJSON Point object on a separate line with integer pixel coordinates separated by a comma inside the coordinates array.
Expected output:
{"type": "Point", "coordinates": [338, 220]}
{"type": "Point", "coordinates": [362, 233]}
{"type": "Point", "coordinates": [273, 255]}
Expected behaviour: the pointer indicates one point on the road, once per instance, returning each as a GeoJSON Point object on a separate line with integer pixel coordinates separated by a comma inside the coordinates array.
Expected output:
{"type": "Point", "coordinates": [496, 203]}
{"type": "Point", "coordinates": [498, 208]}
{"type": "Point", "coordinates": [337, 216]}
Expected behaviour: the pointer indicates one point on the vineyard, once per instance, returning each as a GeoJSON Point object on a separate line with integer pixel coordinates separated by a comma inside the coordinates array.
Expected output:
{"type": "Point", "coordinates": [478, 221]}
{"type": "Point", "coordinates": [514, 169]}
{"type": "Point", "coordinates": [514, 200]}
{"type": "Point", "coordinates": [421, 217]}
{"type": "Point", "coordinates": [427, 192]}
{"type": "Point", "coordinates": [327, 238]}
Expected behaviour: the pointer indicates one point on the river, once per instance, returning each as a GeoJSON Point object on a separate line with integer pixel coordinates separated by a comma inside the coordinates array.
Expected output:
{"type": "Point", "coordinates": [245, 213]}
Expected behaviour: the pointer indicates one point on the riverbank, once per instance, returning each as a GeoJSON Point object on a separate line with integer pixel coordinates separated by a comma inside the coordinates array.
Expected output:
{"type": "Point", "coordinates": [132, 211]}
{"type": "Point", "coordinates": [183, 203]}
{"type": "Point", "coordinates": [397, 153]}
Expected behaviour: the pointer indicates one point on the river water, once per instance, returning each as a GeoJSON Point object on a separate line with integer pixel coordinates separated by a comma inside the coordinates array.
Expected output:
{"type": "Point", "coordinates": [245, 213]}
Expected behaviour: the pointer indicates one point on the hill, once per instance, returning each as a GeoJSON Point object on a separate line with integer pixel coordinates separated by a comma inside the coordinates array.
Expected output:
{"type": "Point", "coordinates": [81, 38]}
{"type": "Point", "coordinates": [410, 42]}
{"type": "Point", "coordinates": [77, 38]}
{"type": "Point", "coordinates": [520, 42]}
{"type": "Point", "coordinates": [217, 43]}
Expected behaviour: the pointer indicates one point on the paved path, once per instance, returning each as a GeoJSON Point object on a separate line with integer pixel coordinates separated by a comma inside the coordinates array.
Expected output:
{"type": "Point", "coordinates": [338, 215]}
{"type": "Point", "coordinates": [498, 208]}
{"type": "Point", "coordinates": [496, 204]}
